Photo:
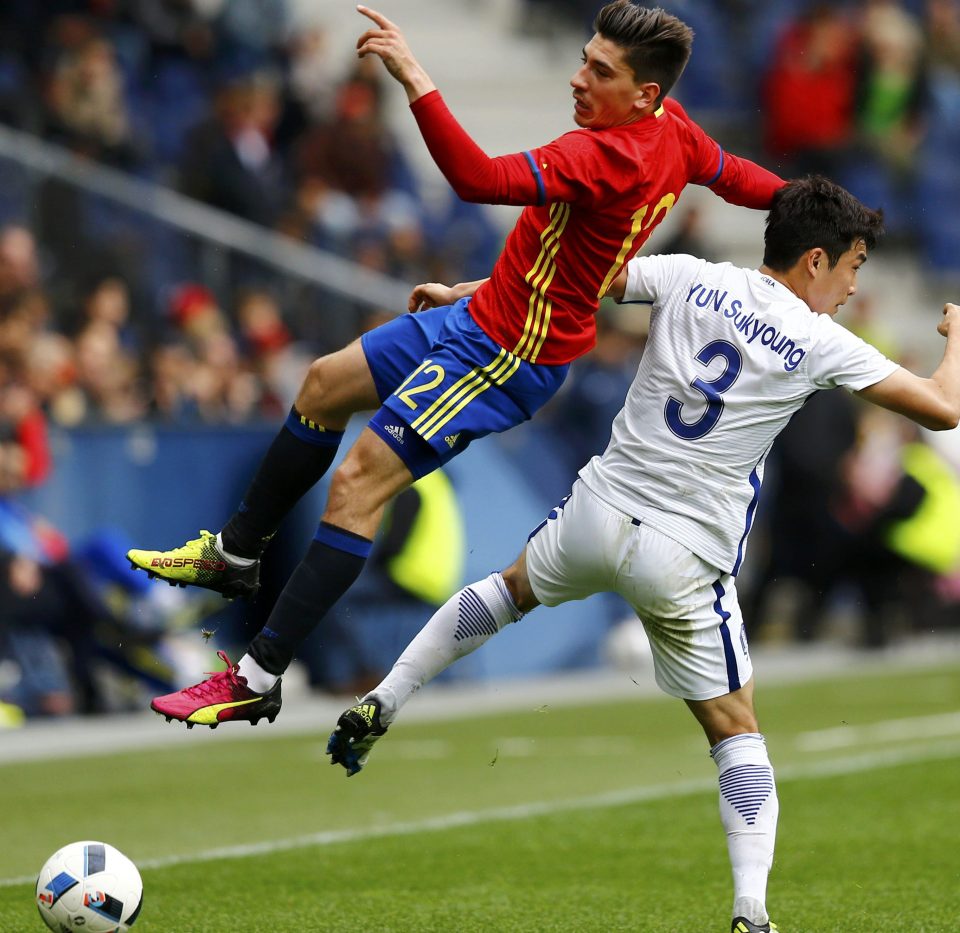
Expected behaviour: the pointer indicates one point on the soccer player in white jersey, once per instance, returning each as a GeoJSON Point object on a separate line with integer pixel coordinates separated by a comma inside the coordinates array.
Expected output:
{"type": "Point", "coordinates": [662, 518]}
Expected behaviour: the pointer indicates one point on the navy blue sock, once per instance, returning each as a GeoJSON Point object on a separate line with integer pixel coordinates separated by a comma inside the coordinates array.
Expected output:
{"type": "Point", "coordinates": [333, 562]}
{"type": "Point", "coordinates": [299, 455]}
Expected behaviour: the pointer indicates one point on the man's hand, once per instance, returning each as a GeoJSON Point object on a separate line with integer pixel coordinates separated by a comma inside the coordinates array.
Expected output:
{"type": "Point", "coordinates": [388, 42]}
{"type": "Point", "coordinates": [951, 318]}
{"type": "Point", "coordinates": [435, 295]}
{"type": "Point", "coordinates": [431, 295]}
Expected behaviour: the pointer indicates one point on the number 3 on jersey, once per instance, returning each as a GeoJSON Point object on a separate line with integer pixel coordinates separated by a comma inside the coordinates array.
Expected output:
{"type": "Point", "coordinates": [712, 390]}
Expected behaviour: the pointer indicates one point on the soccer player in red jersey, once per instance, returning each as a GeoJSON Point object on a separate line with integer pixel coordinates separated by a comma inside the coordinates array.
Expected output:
{"type": "Point", "coordinates": [448, 375]}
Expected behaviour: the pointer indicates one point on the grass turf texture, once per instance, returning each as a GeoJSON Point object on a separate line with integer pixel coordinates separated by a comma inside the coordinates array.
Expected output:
{"type": "Point", "coordinates": [861, 852]}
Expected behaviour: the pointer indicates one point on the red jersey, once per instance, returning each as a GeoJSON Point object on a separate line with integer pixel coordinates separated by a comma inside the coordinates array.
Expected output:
{"type": "Point", "coordinates": [594, 197]}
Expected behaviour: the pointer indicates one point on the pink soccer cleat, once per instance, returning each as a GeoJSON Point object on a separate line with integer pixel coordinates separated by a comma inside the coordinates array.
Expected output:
{"type": "Point", "coordinates": [222, 697]}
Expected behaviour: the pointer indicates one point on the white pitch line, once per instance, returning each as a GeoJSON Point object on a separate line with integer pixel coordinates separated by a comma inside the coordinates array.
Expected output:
{"type": "Point", "coordinates": [851, 764]}
{"type": "Point", "coordinates": [936, 726]}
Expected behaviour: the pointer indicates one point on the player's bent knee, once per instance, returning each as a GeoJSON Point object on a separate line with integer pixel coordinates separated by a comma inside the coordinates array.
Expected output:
{"type": "Point", "coordinates": [335, 387]}
{"type": "Point", "coordinates": [518, 584]}
{"type": "Point", "coordinates": [315, 397]}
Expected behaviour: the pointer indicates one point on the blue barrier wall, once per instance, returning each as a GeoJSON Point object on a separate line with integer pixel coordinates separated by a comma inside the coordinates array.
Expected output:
{"type": "Point", "coordinates": [160, 485]}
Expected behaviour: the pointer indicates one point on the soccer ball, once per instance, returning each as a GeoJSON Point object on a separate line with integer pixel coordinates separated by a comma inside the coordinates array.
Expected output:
{"type": "Point", "coordinates": [89, 886]}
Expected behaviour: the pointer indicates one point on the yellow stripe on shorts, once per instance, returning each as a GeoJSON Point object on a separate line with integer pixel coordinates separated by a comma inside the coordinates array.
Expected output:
{"type": "Point", "coordinates": [464, 391]}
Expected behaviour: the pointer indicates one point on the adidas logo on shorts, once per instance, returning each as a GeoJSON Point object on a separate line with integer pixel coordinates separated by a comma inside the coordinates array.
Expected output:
{"type": "Point", "coordinates": [452, 439]}
{"type": "Point", "coordinates": [395, 431]}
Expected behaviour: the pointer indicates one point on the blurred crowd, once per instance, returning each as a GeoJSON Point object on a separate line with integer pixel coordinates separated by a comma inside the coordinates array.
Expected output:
{"type": "Point", "coordinates": [236, 103]}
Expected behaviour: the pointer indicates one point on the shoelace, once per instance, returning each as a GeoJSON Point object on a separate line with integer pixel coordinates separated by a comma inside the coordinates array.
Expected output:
{"type": "Point", "coordinates": [216, 678]}
{"type": "Point", "coordinates": [205, 536]}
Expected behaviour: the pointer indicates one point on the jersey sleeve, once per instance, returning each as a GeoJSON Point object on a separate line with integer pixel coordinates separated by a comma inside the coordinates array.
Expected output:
{"type": "Point", "coordinates": [841, 358]}
{"type": "Point", "coordinates": [738, 181]}
{"type": "Point", "coordinates": [650, 277]}
{"type": "Point", "coordinates": [573, 169]}
{"type": "Point", "coordinates": [473, 175]}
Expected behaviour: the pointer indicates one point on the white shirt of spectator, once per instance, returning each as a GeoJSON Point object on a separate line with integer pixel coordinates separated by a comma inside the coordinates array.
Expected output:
{"type": "Point", "coordinates": [731, 355]}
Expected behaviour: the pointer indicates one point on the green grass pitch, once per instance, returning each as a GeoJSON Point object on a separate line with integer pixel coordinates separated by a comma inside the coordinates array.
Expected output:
{"type": "Point", "coordinates": [600, 817]}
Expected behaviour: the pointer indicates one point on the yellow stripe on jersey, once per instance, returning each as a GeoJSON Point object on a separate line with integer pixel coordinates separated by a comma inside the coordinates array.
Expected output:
{"type": "Point", "coordinates": [464, 391]}
{"type": "Point", "coordinates": [664, 206]}
{"type": "Point", "coordinates": [540, 277]}
{"type": "Point", "coordinates": [636, 226]}
{"type": "Point", "coordinates": [547, 311]}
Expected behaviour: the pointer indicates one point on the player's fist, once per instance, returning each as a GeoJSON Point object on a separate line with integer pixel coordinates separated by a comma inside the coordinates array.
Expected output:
{"type": "Point", "coordinates": [951, 318]}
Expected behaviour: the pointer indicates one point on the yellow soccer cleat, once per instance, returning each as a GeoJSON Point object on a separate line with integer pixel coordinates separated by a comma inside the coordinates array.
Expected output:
{"type": "Point", "coordinates": [199, 563]}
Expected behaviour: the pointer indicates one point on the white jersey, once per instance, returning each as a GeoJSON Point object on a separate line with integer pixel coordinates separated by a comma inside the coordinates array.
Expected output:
{"type": "Point", "coordinates": [731, 355]}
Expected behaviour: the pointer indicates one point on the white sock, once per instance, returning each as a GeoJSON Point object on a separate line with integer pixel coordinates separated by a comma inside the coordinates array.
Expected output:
{"type": "Point", "coordinates": [232, 558]}
{"type": "Point", "coordinates": [258, 680]}
{"type": "Point", "coordinates": [748, 811]}
{"type": "Point", "coordinates": [461, 625]}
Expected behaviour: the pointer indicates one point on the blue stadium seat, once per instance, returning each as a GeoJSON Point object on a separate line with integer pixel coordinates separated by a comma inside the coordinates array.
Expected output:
{"type": "Point", "coordinates": [15, 193]}
{"type": "Point", "coordinates": [177, 99]}
{"type": "Point", "coordinates": [874, 184]}
{"type": "Point", "coordinates": [709, 81]}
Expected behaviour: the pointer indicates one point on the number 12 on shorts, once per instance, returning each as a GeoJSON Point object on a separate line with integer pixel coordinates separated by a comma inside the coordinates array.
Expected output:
{"type": "Point", "coordinates": [432, 375]}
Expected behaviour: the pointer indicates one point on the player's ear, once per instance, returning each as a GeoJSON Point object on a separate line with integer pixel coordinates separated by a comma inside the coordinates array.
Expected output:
{"type": "Point", "coordinates": [816, 260]}
{"type": "Point", "coordinates": [647, 94]}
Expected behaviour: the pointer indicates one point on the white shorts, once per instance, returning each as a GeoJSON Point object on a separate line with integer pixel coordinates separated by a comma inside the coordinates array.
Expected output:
{"type": "Point", "coordinates": [688, 608]}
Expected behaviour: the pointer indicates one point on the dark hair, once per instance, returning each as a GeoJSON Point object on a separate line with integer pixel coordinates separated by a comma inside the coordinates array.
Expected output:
{"type": "Point", "coordinates": [811, 212]}
{"type": "Point", "coordinates": [656, 44]}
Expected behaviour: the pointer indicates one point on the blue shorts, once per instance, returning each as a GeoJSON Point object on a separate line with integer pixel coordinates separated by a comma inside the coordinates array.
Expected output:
{"type": "Point", "coordinates": [443, 383]}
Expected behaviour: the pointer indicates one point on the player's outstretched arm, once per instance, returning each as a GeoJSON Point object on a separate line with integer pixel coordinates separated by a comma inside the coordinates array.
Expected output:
{"type": "Point", "coordinates": [933, 402]}
{"type": "Point", "coordinates": [435, 295]}
{"type": "Point", "coordinates": [473, 174]}
{"type": "Point", "coordinates": [737, 180]}
{"type": "Point", "coordinates": [387, 41]}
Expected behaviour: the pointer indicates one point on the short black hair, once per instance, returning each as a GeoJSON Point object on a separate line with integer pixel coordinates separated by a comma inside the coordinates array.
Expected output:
{"type": "Point", "coordinates": [814, 212]}
{"type": "Point", "coordinates": [656, 44]}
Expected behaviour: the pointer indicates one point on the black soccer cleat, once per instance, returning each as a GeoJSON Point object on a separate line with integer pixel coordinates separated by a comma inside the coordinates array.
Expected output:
{"type": "Point", "coordinates": [357, 730]}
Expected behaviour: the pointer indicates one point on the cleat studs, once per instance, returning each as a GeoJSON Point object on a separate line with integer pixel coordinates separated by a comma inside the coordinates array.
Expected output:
{"type": "Point", "coordinates": [168, 718]}
{"type": "Point", "coordinates": [189, 725]}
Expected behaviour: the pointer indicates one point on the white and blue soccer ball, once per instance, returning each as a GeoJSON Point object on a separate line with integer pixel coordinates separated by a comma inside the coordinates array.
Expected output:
{"type": "Point", "coordinates": [91, 887]}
